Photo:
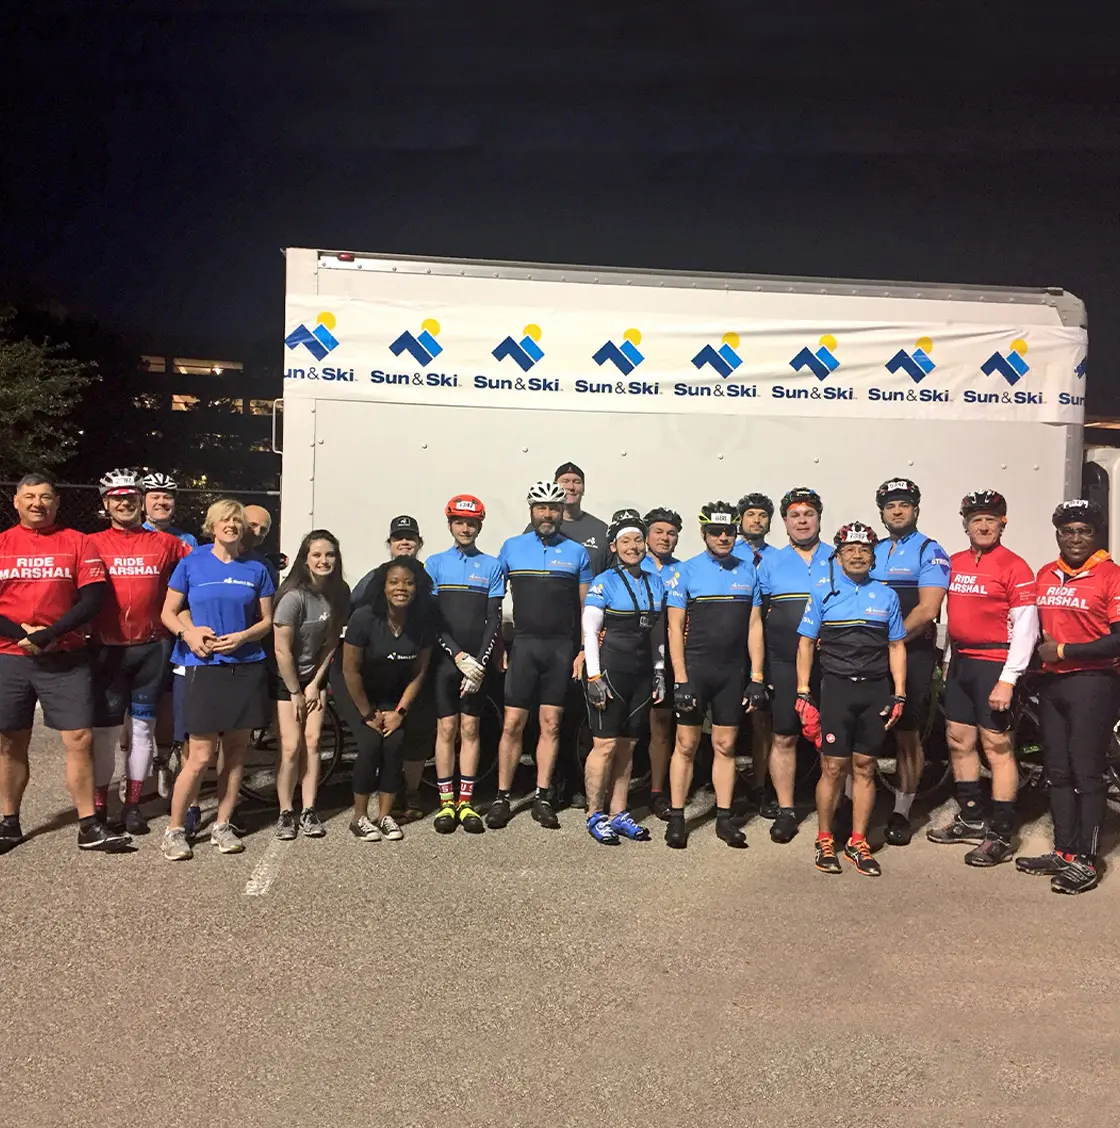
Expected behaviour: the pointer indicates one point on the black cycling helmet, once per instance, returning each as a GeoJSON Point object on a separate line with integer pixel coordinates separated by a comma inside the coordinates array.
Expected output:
{"type": "Point", "coordinates": [669, 516]}
{"type": "Point", "coordinates": [625, 519]}
{"type": "Point", "coordinates": [756, 501]}
{"type": "Point", "coordinates": [801, 494]}
{"type": "Point", "coordinates": [1079, 509]}
{"type": "Point", "coordinates": [722, 514]}
{"type": "Point", "coordinates": [983, 501]}
{"type": "Point", "coordinates": [855, 532]}
{"type": "Point", "coordinates": [898, 489]}
{"type": "Point", "coordinates": [622, 514]}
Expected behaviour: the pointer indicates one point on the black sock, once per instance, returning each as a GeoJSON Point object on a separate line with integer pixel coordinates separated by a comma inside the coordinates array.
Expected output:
{"type": "Point", "coordinates": [723, 812]}
{"type": "Point", "coordinates": [675, 812]}
{"type": "Point", "coordinates": [503, 794]}
{"type": "Point", "coordinates": [1003, 817]}
{"type": "Point", "coordinates": [788, 810]}
{"type": "Point", "coordinates": [88, 822]}
{"type": "Point", "coordinates": [543, 793]}
{"type": "Point", "coordinates": [970, 798]}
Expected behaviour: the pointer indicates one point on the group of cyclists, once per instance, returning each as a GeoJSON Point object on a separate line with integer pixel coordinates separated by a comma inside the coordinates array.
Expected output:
{"type": "Point", "coordinates": [833, 643]}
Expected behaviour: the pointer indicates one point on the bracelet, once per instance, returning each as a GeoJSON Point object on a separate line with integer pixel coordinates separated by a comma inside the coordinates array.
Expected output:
{"type": "Point", "coordinates": [1061, 651]}
{"type": "Point", "coordinates": [594, 677]}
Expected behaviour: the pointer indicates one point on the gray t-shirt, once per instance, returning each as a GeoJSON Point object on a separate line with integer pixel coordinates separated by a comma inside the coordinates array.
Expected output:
{"type": "Point", "coordinates": [308, 614]}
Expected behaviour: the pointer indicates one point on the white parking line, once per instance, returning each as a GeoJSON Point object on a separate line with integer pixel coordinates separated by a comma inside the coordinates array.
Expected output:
{"type": "Point", "coordinates": [266, 870]}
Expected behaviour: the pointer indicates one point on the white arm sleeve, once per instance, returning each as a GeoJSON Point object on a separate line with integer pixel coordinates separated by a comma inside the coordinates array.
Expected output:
{"type": "Point", "coordinates": [592, 624]}
{"type": "Point", "coordinates": [1024, 635]}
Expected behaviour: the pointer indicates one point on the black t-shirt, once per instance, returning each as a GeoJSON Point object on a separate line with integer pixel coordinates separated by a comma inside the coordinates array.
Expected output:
{"type": "Point", "coordinates": [387, 659]}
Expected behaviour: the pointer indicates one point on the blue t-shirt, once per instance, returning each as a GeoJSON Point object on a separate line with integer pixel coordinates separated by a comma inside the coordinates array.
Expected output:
{"type": "Point", "coordinates": [187, 538]}
{"type": "Point", "coordinates": [854, 623]}
{"type": "Point", "coordinates": [223, 597]}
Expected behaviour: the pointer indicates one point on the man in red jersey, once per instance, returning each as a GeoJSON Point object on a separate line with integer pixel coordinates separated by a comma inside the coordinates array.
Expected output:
{"type": "Point", "coordinates": [52, 583]}
{"type": "Point", "coordinates": [993, 625]}
{"type": "Point", "coordinates": [1079, 613]}
{"type": "Point", "coordinates": [131, 647]}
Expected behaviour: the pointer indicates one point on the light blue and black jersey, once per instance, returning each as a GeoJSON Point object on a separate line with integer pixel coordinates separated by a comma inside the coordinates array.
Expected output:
{"type": "Point", "coordinates": [632, 609]}
{"type": "Point", "coordinates": [468, 585]}
{"type": "Point", "coordinates": [544, 580]}
{"type": "Point", "coordinates": [786, 579]}
{"type": "Point", "coordinates": [907, 565]}
{"type": "Point", "coordinates": [717, 596]}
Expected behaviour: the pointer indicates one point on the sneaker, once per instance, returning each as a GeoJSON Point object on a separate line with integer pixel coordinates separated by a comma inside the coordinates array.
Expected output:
{"type": "Point", "coordinates": [579, 801]}
{"type": "Point", "coordinates": [10, 833]}
{"type": "Point", "coordinates": [600, 828]}
{"type": "Point", "coordinates": [499, 814]}
{"type": "Point", "coordinates": [544, 813]}
{"type": "Point", "coordinates": [390, 829]}
{"type": "Point", "coordinates": [471, 820]}
{"type": "Point", "coordinates": [365, 829]}
{"type": "Point", "coordinates": [659, 806]}
{"type": "Point", "coordinates": [175, 846]}
{"type": "Point", "coordinates": [100, 837]}
{"type": "Point", "coordinates": [899, 830]}
{"type": "Point", "coordinates": [676, 832]}
{"type": "Point", "coordinates": [225, 838]}
{"type": "Point", "coordinates": [728, 832]}
{"type": "Point", "coordinates": [1078, 876]}
{"type": "Point", "coordinates": [784, 827]}
{"type": "Point", "coordinates": [132, 820]}
{"type": "Point", "coordinates": [826, 860]}
{"type": "Point", "coordinates": [623, 824]}
{"type": "Point", "coordinates": [445, 822]}
{"type": "Point", "coordinates": [413, 809]}
{"type": "Point", "coordinates": [286, 826]}
{"type": "Point", "coordinates": [193, 821]}
{"type": "Point", "coordinates": [859, 854]}
{"type": "Point", "coordinates": [959, 830]}
{"type": "Point", "coordinates": [310, 825]}
{"type": "Point", "coordinates": [990, 852]}
{"type": "Point", "coordinates": [1045, 865]}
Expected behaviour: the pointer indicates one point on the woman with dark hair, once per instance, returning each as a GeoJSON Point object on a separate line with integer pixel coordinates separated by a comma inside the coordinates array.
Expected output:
{"type": "Point", "coordinates": [385, 655]}
{"type": "Point", "coordinates": [311, 608]}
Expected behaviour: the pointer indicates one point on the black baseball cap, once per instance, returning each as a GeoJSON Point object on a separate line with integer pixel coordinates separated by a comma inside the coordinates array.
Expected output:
{"type": "Point", "coordinates": [569, 468]}
{"type": "Point", "coordinates": [404, 526]}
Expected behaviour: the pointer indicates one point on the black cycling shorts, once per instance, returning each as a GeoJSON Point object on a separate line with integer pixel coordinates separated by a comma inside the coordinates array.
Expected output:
{"type": "Point", "coordinates": [967, 688]}
{"type": "Point", "coordinates": [782, 683]}
{"type": "Point", "coordinates": [447, 681]}
{"type": "Point", "coordinates": [851, 715]}
{"type": "Point", "coordinates": [60, 682]}
{"type": "Point", "coordinates": [539, 672]}
{"type": "Point", "coordinates": [626, 713]}
{"type": "Point", "coordinates": [920, 664]}
{"type": "Point", "coordinates": [720, 689]}
{"type": "Point", "coordinates": [128, 679]}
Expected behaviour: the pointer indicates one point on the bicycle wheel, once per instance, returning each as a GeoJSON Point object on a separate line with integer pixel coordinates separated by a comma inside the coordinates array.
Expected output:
{"type": "Point", "coordinates": [258, 780]}
{"type": "Point", "coordinates": [937, 772]}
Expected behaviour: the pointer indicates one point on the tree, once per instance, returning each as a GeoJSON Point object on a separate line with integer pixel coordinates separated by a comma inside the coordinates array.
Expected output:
{"type": "Point", "coordinates": [40, 387]}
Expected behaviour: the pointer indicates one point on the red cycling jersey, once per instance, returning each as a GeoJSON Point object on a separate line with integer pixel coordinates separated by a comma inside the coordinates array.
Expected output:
{"type": "Point", "coordinates": [982, 594]}
{"type": "Point", "coordinates": [139, 563]}
{"type": "Point", "coordinates": [1079, 608]}
{"type": "Point", "coordinates": [41, 571]}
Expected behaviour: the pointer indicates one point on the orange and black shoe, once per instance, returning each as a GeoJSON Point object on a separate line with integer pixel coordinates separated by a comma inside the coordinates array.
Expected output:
{"type": "Point", "coordinates": [826, 860]}
{"type": "Point", "coordinates": [859, 854]}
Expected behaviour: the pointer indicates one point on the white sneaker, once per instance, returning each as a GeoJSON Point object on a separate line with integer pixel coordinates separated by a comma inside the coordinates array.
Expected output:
{"type": "Point", "coordinates": [175, 846]}
{"type": "Point", "coordinates": [225, 838]}
{"type": "Point", "coordinates": [365, 829]}
{"type": "Point", "coordinates": [390, 829]}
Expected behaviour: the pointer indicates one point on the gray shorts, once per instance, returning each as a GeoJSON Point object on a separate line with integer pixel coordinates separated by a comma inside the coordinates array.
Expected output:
{"type": "Point", "coordinates": [61, 683]}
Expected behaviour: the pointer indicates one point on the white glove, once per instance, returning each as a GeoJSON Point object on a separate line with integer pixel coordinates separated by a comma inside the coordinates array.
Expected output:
{"type": "Point", "coordinates": [470, 667]}
{"type": "Point", "coordinates": [469, 686]}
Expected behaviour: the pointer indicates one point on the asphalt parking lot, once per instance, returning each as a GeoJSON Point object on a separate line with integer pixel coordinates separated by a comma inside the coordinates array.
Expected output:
{"type": "Point", "coordinates": [525, 977]}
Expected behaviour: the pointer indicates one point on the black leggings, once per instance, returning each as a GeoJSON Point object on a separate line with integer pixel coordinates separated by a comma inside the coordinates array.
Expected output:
{"type": "Point", "coordinates": [1076, 715]}
{"type": "Point", "coordinates": [378, 756]}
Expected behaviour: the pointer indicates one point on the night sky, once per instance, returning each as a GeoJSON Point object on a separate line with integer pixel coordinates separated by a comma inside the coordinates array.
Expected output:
{"type": "Point", "coordinates": [151, 167]}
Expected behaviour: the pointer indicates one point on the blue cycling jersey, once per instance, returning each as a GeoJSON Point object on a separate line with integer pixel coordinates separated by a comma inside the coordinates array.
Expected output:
{"type": "Point", "coordinates": [185, 537]}
{"type": "Point", "coordinates": [854, 623]}
{"type": "Point", "coordinates": [632, 607]}
{"type": "Point", "coordinates": [464, 581]}
{"type": "Point", "coordinates": [717, 595]}
{"type": "Point", "coordinates": [748, 551]}
{"type": "Point", "coordinates": [915, 561]}
{"type": "Point", "coordinates": [786, 579]}
{"type": "Point", "coordinates": [544, 580]}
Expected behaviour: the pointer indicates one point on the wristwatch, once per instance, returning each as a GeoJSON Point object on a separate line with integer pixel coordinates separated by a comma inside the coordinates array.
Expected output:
{"type": "Point", "coordinates": [403, 710]}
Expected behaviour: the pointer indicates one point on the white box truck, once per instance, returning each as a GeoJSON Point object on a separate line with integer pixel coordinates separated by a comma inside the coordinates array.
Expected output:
{"type": "Point", "coordinates": [409, 380]}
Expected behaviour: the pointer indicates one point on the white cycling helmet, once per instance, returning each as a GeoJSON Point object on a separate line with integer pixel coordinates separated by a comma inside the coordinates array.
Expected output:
{"type": "Point", "coordinates": [118, 482]}
{"type": "Point", "coordinates": [546, 493]}
{"type": "Point", "coordinates": [157, 481]}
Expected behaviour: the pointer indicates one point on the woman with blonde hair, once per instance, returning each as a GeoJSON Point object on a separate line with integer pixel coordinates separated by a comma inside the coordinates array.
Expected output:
{"type": "Point", "coordinates": [219, 608]}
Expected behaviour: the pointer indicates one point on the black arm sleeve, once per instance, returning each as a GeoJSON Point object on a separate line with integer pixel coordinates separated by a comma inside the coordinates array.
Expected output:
{"type": "Point", "coordinates": [8, 629]}
{"type": "Point", "coordinates": [491, 629]}
{"type": "Point", "coordinates": [1106, 647]}
{"type": "Point", "coordinates": [85, 607]}
{"type": "Point", "coordinates": [446, 642]}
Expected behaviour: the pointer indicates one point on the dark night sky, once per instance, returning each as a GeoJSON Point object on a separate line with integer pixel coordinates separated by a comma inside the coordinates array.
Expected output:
{"type": "Point", "coordinates": [153, 165]}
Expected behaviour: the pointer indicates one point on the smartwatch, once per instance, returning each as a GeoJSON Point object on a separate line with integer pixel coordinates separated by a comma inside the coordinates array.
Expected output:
{"type": "Point", "coordinates": [403, 710]}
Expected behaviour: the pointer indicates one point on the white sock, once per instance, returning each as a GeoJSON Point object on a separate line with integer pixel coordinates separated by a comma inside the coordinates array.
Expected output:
{"type": "Point", "coordinates": [105, 742]}
{"type": "Point", "coordinates": [903, 803]}
{"type": "Point", "coordinates": [848, 786]}
{"type": "Point", "coordinates": [142, 748]}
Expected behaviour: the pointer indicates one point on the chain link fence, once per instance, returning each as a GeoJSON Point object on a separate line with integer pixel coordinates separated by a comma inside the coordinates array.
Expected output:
{"type": "Point", "coordinates": [81, 508]}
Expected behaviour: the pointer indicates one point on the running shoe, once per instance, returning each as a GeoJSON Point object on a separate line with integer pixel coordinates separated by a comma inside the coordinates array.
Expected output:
{"type": "Point", "coordinates": [768, 805]}
{"type": "Point", "coordinates": [826, 860]}
{"type": "Point", "coordinates": [225, 838]}
{"type": "Point", "coordinates": [310, 825]}
{"type": "Point", "coordinates": [100, 837]}
{"type": "Point", "coordinates": [623, 824]}
{"type": "Point", "coordinates": [959, 830]}
{"type": "Point", "coordinates": [445, 822]}
{"type": "Point", "coordinates": [1079, 876]}
{"type": "Point", "coordinates": [470, 818]}
{"type": "Point", "coordinates": [544, 813]}
{"type": "Point", "coordinates": [175, 846]}
{"type": "Point", "coordinates": [990, 852]}
{"type": "Point", "coordinates": [859, 854]}
{"type": "Point", "coordinates": [676, 832]}
{"type": "Point", "coordinates": [132, 820]}
{"type": "Point", "coordinates": [659, 805]}
{"type": "Point", "coordinates": [600, 828]}
{"type": "Point", "coordinates": [412, 809]}
{"type": "Point", "coordinates": [728, 832]}
{"type": "Point", "coordinates": [1045, 865]}
{"type": "Point", "coordinates": [499, 814]}
{"type": "Point", "coordinates": [286, 826]}
{"type": "Point", "coordinates": [899, 830]}
{"type": "Point", "coordinates": [11, 835]}
{"type": "Point", "coordinates": [390, 829]}
{"type": "Point", "coordinates": [365, 829]}
{"type": "Point", "coordinates": [784, 828]}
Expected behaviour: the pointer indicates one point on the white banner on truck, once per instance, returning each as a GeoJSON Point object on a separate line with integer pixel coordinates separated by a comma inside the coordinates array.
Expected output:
{"type": "Point", "coordinates": [460, 342]}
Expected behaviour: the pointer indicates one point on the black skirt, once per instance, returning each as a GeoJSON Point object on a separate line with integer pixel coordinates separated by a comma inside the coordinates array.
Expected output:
{"type": "Point", "coordinates": [226, 698]}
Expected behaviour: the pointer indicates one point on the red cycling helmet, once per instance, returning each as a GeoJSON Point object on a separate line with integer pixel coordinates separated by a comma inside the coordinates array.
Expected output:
{"type": "Point", "coordinates": [464, 505]}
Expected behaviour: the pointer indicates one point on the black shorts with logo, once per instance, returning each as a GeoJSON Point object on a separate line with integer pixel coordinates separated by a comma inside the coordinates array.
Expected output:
{"type": "Point", "coordinates": [539, 672]}
{"type": "Point", "coordinates": [447, 682]}
{"type": "Point", "coordinates": [626, 713]}
{"type": "Point", "coordinates": [718, 688]}
{"type": "Point", "coordinates": [782, 683]}
{"type": "Point", "coordinates": [920, 664]}
{"type": "Point", "coordinates": [59, 682]}
{"type": "Point", "coordinates": [128, 679]}
{"type": "Point", "coordinates": [967, 688]}
{"type": "Point", "coordinates": [851, 715]}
